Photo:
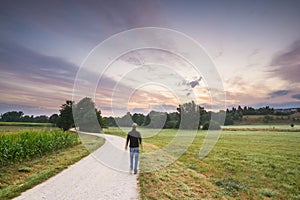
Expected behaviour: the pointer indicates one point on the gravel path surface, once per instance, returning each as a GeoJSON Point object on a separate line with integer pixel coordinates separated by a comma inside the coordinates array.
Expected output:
{"type": "Point", "coordinates": [101, 175]}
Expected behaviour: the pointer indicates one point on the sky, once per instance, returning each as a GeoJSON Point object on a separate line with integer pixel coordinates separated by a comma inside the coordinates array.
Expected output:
{"type": "Point", "coordinates": [254, 46]}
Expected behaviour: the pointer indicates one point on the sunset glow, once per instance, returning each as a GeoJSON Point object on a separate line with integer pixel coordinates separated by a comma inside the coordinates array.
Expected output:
{"type": "Point", "coordinates": [255, 48]}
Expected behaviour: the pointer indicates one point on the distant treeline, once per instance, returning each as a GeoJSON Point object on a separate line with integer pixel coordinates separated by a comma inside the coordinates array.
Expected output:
{"type": "Point", "coordinates": [18, 116]}
{"type": "Point", "coordinates": [172, 120]}
{"type": "Point", "coordinates": [193, 115]}
{"type": "Point", "coordinates": [260, 111]}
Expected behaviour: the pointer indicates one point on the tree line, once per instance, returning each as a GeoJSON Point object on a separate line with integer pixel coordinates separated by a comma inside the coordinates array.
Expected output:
{"type": "Point", "coordinates": [18, 116]}
{"type": "Point", "coordinates": [191, 111]}
{"type": "Point", "coordinates": [188, 116]}
{"type": "Point", "coordinates": [84, 112]}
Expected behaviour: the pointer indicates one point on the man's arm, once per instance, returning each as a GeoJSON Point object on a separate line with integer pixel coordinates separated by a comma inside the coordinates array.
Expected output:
{"type": "Point", "coordinates": [140, 140]}
{"type": "Point", "coordinates": [127, 140]}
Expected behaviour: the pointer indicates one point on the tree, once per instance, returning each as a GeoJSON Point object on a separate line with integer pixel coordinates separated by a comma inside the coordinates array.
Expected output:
{"type": "Point", "coordinates": [157, 119]}
{"type": "Point", "coordinates": [125, 121]}
{"type": "Point", "coordinates": [172, 120]}
{"type": "Point", "coordinates": [87, 117]}
{"type": "Point", "coordinates": [110, 121]}
{"type": "Point", "coordinates": [138, 118]}
{"type": "Point", "coordinates": [12, 116]}
{"type": "Point", "coordinates": [100, 119]}
{"type": "Point", "coordinates": [28, 118]}
{"type": "Point", "coordinates": [228, 119]}
{"type": "Point", "coordinates": [211, 125]}
{"type": "Point", "coordinates": [41, 119]}
{"type": "Point", "coordinates": [53, 119]}
{"type": "Point", "coordinates": [65, 120]}
{"type": "Point", "coordinates": [189, 115]}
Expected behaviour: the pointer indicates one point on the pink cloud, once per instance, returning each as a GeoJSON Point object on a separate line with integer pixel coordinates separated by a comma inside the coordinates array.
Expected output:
{"type": "Point", "coordinates": [286, 65]}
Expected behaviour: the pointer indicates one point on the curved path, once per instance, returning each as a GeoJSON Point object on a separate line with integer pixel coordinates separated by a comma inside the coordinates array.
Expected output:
{"type": "Point", "coordinates": [103, 174]}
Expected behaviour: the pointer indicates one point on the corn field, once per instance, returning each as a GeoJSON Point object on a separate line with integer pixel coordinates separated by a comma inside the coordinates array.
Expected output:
{"type": "Point", "coordinates": [33, 143]}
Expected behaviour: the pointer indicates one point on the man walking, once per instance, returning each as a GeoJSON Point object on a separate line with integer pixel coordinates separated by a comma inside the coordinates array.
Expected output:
{"type": "Point", "coordinates": [134, 138]}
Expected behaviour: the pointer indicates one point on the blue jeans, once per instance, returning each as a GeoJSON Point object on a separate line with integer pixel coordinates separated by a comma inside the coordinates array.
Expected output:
{"type": "Point", "coordinates": [134, 152]}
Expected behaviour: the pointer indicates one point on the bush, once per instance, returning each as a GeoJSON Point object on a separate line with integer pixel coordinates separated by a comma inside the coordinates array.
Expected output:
{"type": "Point", "coordinates": [171, 124]}
{"type": "Point", "coordinates": [211, 125]}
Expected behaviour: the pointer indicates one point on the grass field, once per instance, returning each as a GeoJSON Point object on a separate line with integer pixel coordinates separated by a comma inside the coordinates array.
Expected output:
{"type": "Point", "coordinates": [243, 165]}
{"type": "Point", "coordinates": [21, 173]}
{"type": "Point", "coordinates": [31, 124]}
{"type": "Point", "coordinates": [266, 127]}
{"type": "Point", "coordinates": [260, 119]}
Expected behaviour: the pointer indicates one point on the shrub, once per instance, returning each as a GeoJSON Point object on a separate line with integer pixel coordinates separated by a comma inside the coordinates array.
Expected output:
{"type": "Point", "coordinates": [211, 125]}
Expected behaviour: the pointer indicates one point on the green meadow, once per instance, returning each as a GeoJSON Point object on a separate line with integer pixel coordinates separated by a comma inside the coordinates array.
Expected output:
{"type": "Point", "coordinates": [243, 165]}
{"type": "Point", "coordinates": [265, 127]}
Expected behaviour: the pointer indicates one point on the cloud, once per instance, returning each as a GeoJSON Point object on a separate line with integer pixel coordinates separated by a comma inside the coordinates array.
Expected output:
{"type": "Point", "coordinates": [164, 107]}
{"type": "Point", "coordinates": [296, 96]}
{"type": "Point", "coordinates": [80, 19]}
{"type": "Point", "coordinates": [254, 52]}
{"type": "Point", "coordinates": [28, 110]}
{"type": "Point", "coordinates": [278, 93]}
{"type": "Point", "coordinates": [187, 85]}
{"type": "Point", "coordinates": [195, 82]}
{"type": "Point", "coordinates": [287, 64]}
{"type": "Point", "coordinates": [17, 59]}
{"type": "Point", "coordinates": [30, 78]}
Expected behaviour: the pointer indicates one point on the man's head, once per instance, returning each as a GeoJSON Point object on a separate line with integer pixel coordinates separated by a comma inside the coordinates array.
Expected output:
{"type": "Point", "coordinates": [134, 125]}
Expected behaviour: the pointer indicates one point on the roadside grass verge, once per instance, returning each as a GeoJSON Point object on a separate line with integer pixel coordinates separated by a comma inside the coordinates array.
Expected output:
{"type": "Point", "coordinates": [242, 165]}
{"type": "Point", "coordinates": [18, 176]}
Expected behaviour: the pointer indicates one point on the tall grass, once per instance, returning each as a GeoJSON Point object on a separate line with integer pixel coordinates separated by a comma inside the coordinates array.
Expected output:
{"type": "Point", "coordinates": [33, 143]}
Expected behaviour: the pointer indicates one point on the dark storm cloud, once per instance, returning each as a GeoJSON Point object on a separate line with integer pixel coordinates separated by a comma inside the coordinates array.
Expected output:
{"type": "Point", "coordinates": [287, 64]}
{"type": "Point", "coordinates": [278, 93]}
